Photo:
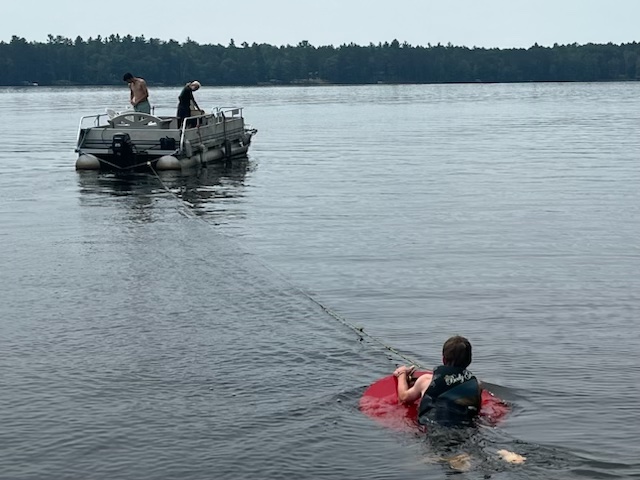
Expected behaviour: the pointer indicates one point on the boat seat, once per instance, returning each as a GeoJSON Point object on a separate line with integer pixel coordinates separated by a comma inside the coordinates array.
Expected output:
{"type": "Point", "coordinates": [139, 120]}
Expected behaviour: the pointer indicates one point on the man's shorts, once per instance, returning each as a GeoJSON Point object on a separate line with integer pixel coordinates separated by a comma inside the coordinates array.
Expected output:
{"type": "Point", "coordinates": [143, 107]}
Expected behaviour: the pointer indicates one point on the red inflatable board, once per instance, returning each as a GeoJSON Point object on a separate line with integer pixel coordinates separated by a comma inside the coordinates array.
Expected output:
{"type": "Point", "coordinates": [380, 402]}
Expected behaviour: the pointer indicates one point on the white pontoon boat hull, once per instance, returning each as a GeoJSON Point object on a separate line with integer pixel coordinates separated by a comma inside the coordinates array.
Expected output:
{"type": "Point", "coordinates": [134, 141]}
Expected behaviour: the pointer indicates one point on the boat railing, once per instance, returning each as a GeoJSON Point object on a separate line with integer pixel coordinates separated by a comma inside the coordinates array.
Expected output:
{"type": "Point", "coordinates": [187, 121]}
{"type": "Point", "coordinates": [219, 115]}
{"type": "Point", "coordinates": [81, 125]}
{"type": "Point", "coordinates": [182, 130]}
{"type": "Point", "coordinates": [228, 112]}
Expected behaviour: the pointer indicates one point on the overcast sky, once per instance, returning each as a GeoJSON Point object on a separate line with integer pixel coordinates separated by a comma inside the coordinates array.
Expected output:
{"type": "Point", "coordinates": [482, 23]}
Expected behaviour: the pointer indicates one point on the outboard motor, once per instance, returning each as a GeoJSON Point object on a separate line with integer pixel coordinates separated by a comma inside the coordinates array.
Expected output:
{"type": "Point", "coordinates": [123, 153]}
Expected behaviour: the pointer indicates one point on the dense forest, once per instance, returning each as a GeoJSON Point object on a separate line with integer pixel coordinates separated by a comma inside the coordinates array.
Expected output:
{"type": "Point", "coordinates": [102, 61]}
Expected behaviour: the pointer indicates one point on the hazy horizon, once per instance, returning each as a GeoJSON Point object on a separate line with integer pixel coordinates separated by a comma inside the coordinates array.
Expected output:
{"type": "Point", "coordinates": [500, 24]}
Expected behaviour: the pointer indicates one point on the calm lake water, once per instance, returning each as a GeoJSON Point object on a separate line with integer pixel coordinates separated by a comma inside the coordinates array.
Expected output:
{"type": "Point", "coordinates": [171, 328]}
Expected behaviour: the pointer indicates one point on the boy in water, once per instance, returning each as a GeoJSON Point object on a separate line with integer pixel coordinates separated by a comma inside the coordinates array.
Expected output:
{"type": "Point", "coordinates": [451, 396]}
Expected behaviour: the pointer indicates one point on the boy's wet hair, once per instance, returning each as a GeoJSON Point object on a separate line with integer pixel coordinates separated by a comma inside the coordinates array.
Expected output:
{"type": "Point", "coordinates": [127, 76]}
{"type": "Point", "coordinates": [456, 352]}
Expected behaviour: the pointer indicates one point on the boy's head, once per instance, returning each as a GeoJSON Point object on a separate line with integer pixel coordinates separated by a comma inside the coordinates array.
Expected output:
{"type": "Point", "coordinates": [456, 352]}
{"type": "Point", "coordinates": [127, 77]}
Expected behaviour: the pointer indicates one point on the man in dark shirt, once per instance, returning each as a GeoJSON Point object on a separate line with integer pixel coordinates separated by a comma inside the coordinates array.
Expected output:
{"type": "Point", "coordinates": [186, 102]}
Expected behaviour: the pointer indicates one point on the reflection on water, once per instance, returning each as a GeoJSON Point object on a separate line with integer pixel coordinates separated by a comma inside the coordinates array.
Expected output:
{"type": "Point", "coordinates": [212, 181]}
{"type": "Point", "coordinates": [212, 189]}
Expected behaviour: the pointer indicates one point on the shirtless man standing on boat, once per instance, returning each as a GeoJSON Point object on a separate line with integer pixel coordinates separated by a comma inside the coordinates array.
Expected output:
{"type": "Point", "coordinates": [139, 97]}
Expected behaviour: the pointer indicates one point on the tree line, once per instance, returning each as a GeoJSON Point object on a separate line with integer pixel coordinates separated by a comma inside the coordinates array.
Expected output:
{"type": "Point", "coordinates": [103, 61]}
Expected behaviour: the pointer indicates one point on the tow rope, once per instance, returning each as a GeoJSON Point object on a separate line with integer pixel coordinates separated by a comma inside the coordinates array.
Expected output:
{"type": "Point", "coordinates": [360, 331]}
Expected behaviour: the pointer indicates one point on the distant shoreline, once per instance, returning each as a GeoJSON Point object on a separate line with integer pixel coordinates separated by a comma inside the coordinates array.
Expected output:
{"type": "Point", "coordinates": [324, 84]}
{"type": "Point", "coordinates": [96, 62]}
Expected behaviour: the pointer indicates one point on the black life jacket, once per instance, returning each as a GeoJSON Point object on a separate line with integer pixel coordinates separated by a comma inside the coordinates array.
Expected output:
{"type": "Point", "coordinates": [453, 397]}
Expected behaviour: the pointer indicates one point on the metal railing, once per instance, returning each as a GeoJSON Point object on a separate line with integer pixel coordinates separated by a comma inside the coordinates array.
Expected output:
{"type": "Point", "coordinates": [96, 123]}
